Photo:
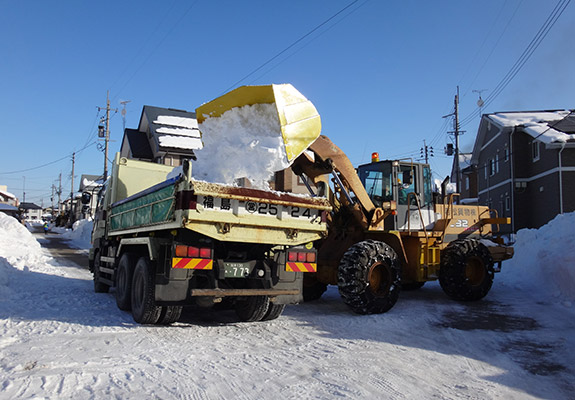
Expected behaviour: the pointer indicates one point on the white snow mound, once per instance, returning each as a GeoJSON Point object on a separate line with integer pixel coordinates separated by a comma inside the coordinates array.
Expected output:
{"type": "Point", "coordinates": [245, 142]}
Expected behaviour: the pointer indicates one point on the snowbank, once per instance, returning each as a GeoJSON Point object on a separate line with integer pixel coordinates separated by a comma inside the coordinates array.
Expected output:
{"type": "Point", "coordinates": [544, 260]}
{"type": "Point", "coordinates": [18, 250]}
{"type": "Point", "coordinates": [81, 234]}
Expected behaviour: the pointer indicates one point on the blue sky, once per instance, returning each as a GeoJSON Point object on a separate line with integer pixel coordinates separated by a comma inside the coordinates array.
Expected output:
{"type": "Point", "coordinates": [382, 74]}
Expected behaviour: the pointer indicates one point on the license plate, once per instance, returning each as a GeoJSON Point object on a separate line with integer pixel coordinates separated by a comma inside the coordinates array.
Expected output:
{"type": "Point", "coordinates": [238, 269]}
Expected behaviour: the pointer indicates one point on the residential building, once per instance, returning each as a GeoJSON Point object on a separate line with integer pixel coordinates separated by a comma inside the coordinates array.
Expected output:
{"type": "Point", "coordinates": [467, 178]}
{"type": "Point", "coordinates": [525, 163]}
{"type": "Point", "coordinates": [31, 212]}
{"type": "Point", "coordinates": [7, 197]}
{"type": "Point", "coordinates": [164, 135]}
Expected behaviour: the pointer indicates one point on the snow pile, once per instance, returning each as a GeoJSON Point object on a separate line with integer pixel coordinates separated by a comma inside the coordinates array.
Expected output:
{"type": "Point", "coordinates": [18, 250]}
{"type": "Point", "coordinates": [81, 233]}
{"type": "Point", "coordinates": [544, 260]}
{"type": "Point", "coordinates": [245, 142]}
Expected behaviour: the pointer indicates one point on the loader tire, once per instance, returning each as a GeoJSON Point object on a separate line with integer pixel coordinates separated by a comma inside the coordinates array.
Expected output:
{"type": "Point", "coordinates": [252, 308]}
{"type": "Point", "coordinates": [369, 277]}
{"type": "Point", "coordinates": [124, 275]}
{"type": "Point", "coordinates": [466, 270]}
{"type": "Point", "coordinates": [312, 288]}
{"type": "Point", "coordinates": [274, 311]}
{"type": "Point", "coordinates": [170, 314]}
{"type": "Point", "coordinates": [99, 286]}
{"type": "Point", "coordinates": [144, 308]}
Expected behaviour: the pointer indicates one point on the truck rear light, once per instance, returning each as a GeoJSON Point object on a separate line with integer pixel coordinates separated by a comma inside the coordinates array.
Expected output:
{"type": "Point", "coordinates": [205, 252]}
{"type": "Point", "coordinates": [310, 257]}
{"type": "Point", "coordinates": [193, 252]}
{"type": "Point", "coordinates": [301, 257]}
{"type": "Point", "coordinates": [181, 251]}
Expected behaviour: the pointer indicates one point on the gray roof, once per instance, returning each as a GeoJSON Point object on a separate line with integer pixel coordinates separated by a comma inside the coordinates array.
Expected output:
{"type": "Point", "coordinates": [139, 145]}
{"type": "Point", "coordinates": [29, 206]}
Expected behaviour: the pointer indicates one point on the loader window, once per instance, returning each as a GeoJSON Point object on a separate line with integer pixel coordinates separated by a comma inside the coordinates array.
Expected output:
{"type": "Point", "coordinates": [376, 179]}
{"type": "Point", "coordinates": [406, 187]}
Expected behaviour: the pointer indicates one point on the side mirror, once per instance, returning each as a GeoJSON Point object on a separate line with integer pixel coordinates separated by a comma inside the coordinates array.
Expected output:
{"type": "Point", "coordinates": [86, 197]}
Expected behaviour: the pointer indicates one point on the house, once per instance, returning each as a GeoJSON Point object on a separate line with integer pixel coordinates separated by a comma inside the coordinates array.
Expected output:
{"type": "Point", "coordinates": [91, 185]}
{"type": "Point", "coordinates": [164, 135]}
{"type": "Point", "coordinates": [467, 178]}
{"type": "Point", "coordinates": [525, 165]}
{"type": "Point", "coordinates": [6, 197]}
{"type": "Point", "coordinates": [31, 212]}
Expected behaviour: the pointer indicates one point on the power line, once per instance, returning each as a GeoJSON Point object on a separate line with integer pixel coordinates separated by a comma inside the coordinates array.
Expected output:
{"type": "Point", "coordinates": [525, 56]}
{"type": "Point", "coordinates": [49, 163]}
{"type": "Point", "coordinates": [290, 46]}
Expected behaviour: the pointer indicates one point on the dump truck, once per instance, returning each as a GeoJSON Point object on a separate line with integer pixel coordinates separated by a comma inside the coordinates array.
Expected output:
{"type": "Point", "coordinates": [165, 240]}
{"type": "Point", "coordinates": [389, 231]}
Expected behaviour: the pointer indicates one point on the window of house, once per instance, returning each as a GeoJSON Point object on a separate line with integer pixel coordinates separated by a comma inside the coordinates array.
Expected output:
{"type": "Point", "coordinates": [506, 154]}
{"type": "Point", "coordinates": [466, 182]}
{"type": "Point", "coordinates": [492, 166]}
{"type": "Point", "coordinates": [497, 163]}
{"type": "Point", "coordinates": [507, 203]}
{"type": "Point", "coordinates": [535, 149]}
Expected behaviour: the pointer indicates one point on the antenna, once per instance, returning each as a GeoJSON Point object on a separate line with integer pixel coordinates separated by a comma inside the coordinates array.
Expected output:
{"type": "Point", "coordinates": [480, 101]}
{"type": "Point", "coordinates": [124, 112]}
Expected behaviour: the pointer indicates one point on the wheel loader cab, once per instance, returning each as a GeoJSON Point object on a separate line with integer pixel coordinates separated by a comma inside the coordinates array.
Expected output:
{"type": "Point", "coordinates": [406, 183]}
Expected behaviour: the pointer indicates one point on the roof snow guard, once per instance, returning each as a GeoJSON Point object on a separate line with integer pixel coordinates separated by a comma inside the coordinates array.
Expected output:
{"type": "Point", "coordinates": [546, 126]}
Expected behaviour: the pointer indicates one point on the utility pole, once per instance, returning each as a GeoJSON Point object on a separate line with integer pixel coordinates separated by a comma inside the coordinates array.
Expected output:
{"type": "Point", "coordinates": [24, 190]}
{"type": "Point", "coordinates": [107, 134]}
{"type": "Point", "coordinates": [72, 186]}
{"type": "Point", "coordinates": [456, 132]}
{"type": "Point", "coordinates": [59, 192]}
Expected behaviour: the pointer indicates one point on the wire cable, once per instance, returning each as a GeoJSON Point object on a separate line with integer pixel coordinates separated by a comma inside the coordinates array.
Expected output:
{"type": "Point", "coordinates": [290, 46]}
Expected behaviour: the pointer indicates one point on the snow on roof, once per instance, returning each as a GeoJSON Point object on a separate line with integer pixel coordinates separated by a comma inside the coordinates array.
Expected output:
{"type": "Point", "coordinates": [7, 194]}
{"type": "Point", "coordinates": [179, 131]}
{"type": "Point", "coordinates": [538, 124]}
{"type": "Point", "coordinates": [464, 160]}
{"type": "Point", "coordinates": [181, 122]}
{"type": "Point", "coordinates": [180, 142]}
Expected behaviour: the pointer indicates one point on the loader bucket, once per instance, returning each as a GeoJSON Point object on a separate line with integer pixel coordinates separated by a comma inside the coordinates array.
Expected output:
{"type": "Point", "coordinates": [299, 120]}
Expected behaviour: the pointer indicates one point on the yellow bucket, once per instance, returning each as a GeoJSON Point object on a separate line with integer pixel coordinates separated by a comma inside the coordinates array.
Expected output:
{"type": "Point", "coordinates": [300, 123]}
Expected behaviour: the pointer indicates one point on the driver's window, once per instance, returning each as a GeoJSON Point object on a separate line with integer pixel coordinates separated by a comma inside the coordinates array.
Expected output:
{"type": "Point", "coordinates": [404, 186]}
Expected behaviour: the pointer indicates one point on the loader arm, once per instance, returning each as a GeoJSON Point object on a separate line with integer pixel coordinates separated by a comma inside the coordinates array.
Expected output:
{"type": "Point", "coordinates": [331, 159]}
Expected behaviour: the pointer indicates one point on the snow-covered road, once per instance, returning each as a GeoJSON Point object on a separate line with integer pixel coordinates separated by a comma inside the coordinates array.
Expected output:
{"type": "Point", "coordinates": [60, 340]}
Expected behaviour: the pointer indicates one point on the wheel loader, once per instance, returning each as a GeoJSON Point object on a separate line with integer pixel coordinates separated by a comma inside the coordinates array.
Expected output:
{"type": "Point", "coordinates": [388, 231]}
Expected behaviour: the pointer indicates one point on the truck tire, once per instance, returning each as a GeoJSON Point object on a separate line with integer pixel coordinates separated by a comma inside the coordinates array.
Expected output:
{"type": "Point", "coordinates": [312, 288]}
{"type": "Point", "coordinates": [99, 286]}
{"type": "Point", "coordinates": [274, 311]}
{"type": "Point", "coordinates": [466, 270]}
{"type": "Point", "coordinates": [144, 308]}
{"type": "Point", "coordinates": [170, 314]}
{"type": "Point", "coordinates": [252, 308]}
{"type": "Point", "coordinates": [124, 275]}
{"type": "Point", "coordinates": [369, 277]}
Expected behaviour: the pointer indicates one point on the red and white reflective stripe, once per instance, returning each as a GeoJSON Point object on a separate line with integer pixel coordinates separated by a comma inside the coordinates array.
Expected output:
{"type": "Point", "coordinates": [192, 263]}
{"type": "Point", "coordinates": [301, 267]}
